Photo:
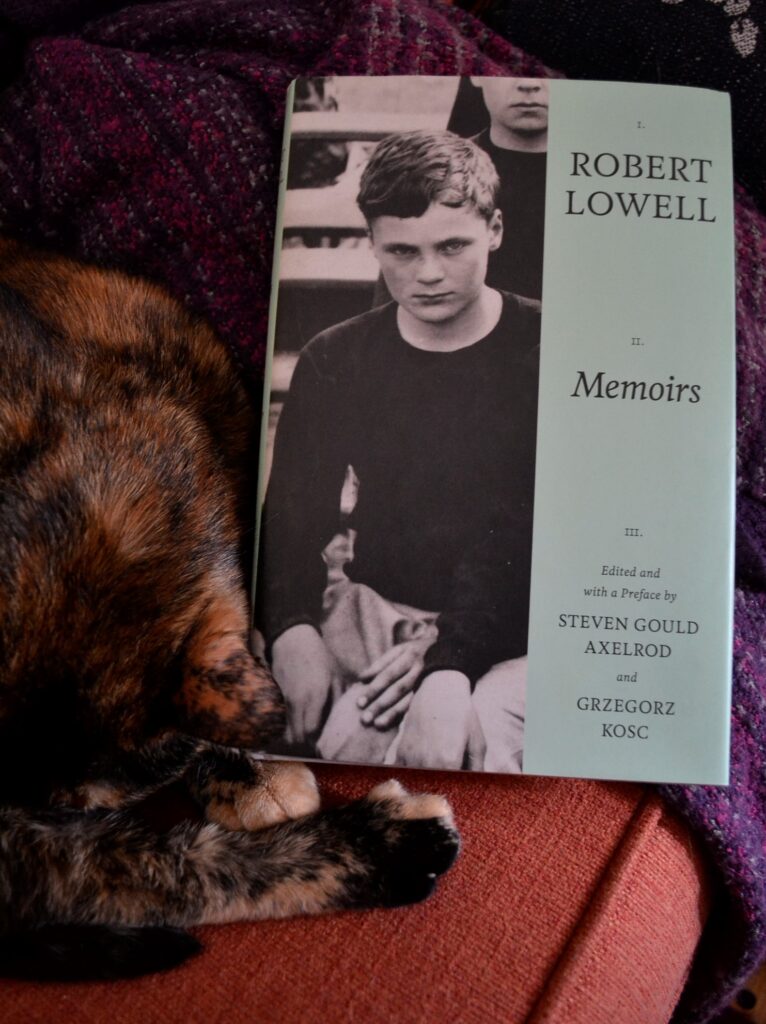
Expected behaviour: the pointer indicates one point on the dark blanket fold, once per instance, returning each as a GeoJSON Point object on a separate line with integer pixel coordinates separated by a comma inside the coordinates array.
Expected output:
{"type": "Point", "coordinates": [149, 138]}
{"type": "Point", "coordinates": [717, 44]}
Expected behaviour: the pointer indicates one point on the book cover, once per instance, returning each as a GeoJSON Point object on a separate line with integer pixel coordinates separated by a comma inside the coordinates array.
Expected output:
{"type": "Point", "coordinates": [496, 491]}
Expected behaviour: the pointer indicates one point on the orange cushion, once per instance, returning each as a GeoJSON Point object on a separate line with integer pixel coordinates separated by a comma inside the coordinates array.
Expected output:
{"type": "Point", "coordinates": [630, 955]}
{"type": "Point", "coordinates": [553, 910]}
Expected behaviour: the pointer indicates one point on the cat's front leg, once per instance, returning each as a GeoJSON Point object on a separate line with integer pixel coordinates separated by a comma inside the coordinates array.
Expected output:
{"type": "Point", "coordinates": [100, 868]}
{"type": "Point", "coordinates": [241, 792]}
{"type": "Point", "coordinates": [385, 850]}
{"type": "Point", "coordinates": [123, 778]}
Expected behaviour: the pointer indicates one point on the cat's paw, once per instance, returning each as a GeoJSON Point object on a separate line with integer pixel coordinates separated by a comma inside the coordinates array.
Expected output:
{"type": "Point", "coordinates": [411, 839]}
{"type": "Point", "coordinates": [281, 791]}
{"type": "Point", "coordinates": [287, 790]}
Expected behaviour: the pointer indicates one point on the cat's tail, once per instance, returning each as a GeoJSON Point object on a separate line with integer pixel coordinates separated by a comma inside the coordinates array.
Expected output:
{"type": "Point", "coordinates": [70, 952]}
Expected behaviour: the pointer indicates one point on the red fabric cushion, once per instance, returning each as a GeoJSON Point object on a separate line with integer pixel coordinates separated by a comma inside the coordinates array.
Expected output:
{"type": "Point", "coordinates": [557, 891]}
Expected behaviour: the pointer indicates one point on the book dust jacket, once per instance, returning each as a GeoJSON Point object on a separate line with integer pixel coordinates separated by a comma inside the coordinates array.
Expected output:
{"type": "Point", "coordinates": [497, 477]}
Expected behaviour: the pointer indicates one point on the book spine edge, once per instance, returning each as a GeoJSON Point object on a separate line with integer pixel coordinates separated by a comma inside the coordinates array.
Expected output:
{"type": "Point", "coordinates": [273, 303]}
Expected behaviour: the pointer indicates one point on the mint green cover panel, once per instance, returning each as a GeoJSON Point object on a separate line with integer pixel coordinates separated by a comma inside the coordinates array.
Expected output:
{"type": "Point", "coordinates": [631, 603]}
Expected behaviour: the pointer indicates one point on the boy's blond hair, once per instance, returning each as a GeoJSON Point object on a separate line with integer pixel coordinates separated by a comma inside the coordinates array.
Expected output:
{"type": "Point", "coordinates": [410, 170]}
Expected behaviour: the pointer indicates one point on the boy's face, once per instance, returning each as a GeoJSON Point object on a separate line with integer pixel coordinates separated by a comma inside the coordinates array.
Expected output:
{"type": "Point", "coordinates": [435, 265]}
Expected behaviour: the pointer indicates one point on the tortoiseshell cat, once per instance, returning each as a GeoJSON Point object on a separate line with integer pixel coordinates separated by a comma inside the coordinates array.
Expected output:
{"type": "Point", "coordinates": [125, 454]}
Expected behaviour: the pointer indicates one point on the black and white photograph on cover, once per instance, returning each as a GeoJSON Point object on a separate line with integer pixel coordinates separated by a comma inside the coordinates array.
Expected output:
{"type": "Point", "coordinates": [392, 598]}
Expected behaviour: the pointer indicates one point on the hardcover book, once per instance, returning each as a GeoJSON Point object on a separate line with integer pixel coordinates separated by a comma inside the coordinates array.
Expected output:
{"type": "Point", "coordinates": [496, 491]}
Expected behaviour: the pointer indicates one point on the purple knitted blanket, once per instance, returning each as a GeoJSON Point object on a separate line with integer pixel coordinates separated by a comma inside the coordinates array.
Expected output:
{"type": "Point", "coordinates": [148, 138]}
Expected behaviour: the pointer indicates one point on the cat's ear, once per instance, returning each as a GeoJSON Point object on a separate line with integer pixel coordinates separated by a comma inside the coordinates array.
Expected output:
{"type": "Point", "coordinates": [226, 696]}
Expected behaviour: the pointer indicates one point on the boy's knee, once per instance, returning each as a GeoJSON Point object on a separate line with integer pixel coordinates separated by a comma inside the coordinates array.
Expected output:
{"type": "Point", "coordinates": [307, 675]}
{"type": "Point", "coordinates": [502, 690]}
{"type": "Point", "coordinates": [500, 702]}
{"type": "Point", "coordinates": [345, 738]}
{"type": "Point", "coordinates": [504, 754]}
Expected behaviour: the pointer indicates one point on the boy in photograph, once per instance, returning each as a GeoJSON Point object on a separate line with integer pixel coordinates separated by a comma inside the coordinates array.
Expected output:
{"type": "Point", "coordinates": [517, 143]}
{"type": "Point", "coordinates": [516, 140]}
{"type": "Point", "coordinates": [412, 648]}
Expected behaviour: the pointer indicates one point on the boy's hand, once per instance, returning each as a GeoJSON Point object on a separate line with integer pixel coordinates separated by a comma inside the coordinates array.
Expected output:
{"type": "Point", "coordinates": [390, 681]}
{"type": "Point", "coordinates": [442, 725]}
{"type": "Point", "coordinates": [304, 670]}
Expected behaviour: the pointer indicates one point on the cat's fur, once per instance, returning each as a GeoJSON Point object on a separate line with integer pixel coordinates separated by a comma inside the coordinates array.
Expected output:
{"type": "Point", "coordinates": [126, 466]}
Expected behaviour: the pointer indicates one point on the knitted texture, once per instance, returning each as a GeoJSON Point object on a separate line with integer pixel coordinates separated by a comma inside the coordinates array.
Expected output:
{"type": "Point", "coordinates": [149, 140]}
{"type": "Point", "coordinates": [154, 137]}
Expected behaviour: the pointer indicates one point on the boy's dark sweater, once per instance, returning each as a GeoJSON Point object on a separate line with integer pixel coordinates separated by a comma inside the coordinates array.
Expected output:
{"type": "Point", "coordinates": [443, 445]}
{"type": "Point", "coordinates": [517, 266]}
